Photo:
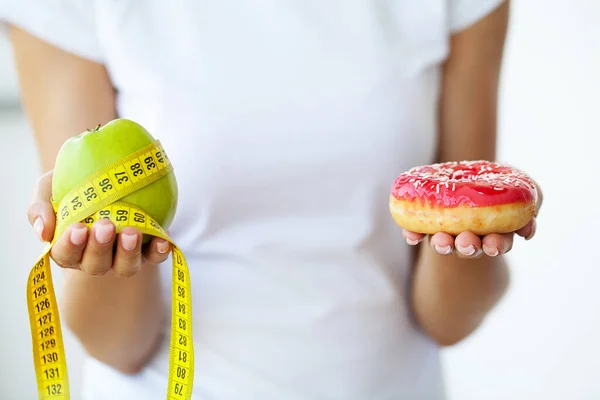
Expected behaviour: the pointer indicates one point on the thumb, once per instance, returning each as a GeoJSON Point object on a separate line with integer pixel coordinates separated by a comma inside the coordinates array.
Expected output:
{"type": "Point", "coordinates": [40, 212]}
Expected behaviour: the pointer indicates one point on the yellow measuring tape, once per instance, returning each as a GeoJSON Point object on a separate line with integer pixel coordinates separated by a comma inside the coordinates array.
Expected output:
{"type": "Point", "coordinates": [95, 199]}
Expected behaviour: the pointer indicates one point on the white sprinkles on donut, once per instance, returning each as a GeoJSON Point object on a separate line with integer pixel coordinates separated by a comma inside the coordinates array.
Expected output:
{"type": "Point", "coordinates": [452, 176]}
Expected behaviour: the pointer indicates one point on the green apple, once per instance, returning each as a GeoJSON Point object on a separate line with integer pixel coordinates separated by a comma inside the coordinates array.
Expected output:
{"type": "Point", "coordinates": [94, 149]}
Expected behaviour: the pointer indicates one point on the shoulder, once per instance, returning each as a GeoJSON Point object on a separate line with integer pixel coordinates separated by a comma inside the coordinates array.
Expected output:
{"type": "Point", "coordinates": [69, 24]}
{"type": "Point", "coordinates": [462, 14]}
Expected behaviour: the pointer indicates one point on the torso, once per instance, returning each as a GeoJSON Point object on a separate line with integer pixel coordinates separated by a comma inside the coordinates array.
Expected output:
{"type": "Point", "coordinates": [287, 124]}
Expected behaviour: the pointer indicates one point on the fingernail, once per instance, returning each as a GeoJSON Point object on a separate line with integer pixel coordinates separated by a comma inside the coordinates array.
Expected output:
{"type": "Point", "coordinates": [38, 225]}
{"type": "Point", "coordinates": [78, 236]}
{"type": "Point", "coordinates": [103, 233]}
{"type": "Point", "coordinates": [443, 250]}
{"type": "Point", "coordinates": [162, 246]}
{"type": "Point", "coordinates": [467, 251]}
{"type": "Point", "coordinates": [128, 241]}
{"type": "Point", "coordinates": [490, 251]}
{"type": "Point", "coordinates": [412, 242]}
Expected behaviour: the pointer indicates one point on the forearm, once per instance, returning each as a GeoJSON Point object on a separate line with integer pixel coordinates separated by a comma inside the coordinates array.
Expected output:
{"type": "Point", "coordinates": [451, 296]}
{"type": "Point", "coordinates": [117, 320]}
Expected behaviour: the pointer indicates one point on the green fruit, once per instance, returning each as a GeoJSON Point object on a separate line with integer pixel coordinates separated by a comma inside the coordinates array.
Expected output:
{"type": "Point", "coordinates": [84, 154]}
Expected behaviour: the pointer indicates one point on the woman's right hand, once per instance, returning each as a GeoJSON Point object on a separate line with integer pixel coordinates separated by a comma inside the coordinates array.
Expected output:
{"type": "Point", "coordinates": [92, 251]}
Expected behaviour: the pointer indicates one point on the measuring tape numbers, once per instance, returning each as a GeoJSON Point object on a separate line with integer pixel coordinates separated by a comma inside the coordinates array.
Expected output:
{"type": "Point", "coordinates": [99, 198]}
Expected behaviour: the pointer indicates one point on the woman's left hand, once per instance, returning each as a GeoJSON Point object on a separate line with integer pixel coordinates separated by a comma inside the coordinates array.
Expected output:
{"type": "Point", "coordinates": [469, 245]}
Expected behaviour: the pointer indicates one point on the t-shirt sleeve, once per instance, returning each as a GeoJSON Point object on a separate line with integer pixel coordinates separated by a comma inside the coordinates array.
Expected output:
{"type": "Point", "coordinates": [464, 13]}
{"type": "Point", "coordinates": [67, 24]}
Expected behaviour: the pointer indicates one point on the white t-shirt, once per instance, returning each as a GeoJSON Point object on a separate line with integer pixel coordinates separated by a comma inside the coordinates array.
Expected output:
{"type": "Point", "coordinates": [286, 123]}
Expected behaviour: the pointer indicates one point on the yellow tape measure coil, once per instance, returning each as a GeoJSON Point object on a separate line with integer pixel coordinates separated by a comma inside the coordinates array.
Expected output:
{"type": "Point", "coordinates": [99, 198]}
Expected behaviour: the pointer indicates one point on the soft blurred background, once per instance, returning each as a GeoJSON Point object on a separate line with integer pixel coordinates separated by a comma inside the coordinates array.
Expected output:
{"type": "Point", "coordinates": [542, 342]}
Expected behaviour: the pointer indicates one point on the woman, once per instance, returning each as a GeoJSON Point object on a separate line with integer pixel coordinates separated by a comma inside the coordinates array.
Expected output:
{"type": "Point", "coordinates": [286, 124]}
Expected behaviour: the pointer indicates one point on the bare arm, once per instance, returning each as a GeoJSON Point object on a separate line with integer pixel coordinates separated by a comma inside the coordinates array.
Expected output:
{"type": "Point", "coordinates": [453, 293]}
{"type": "Point", "coordinates": [117, 319]}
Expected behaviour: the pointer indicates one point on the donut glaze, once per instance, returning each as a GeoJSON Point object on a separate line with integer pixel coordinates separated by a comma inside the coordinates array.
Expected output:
{"type": "Point", "coordinates": [453, 197]}
{"type": "Point", "coordinates": [465, 183]}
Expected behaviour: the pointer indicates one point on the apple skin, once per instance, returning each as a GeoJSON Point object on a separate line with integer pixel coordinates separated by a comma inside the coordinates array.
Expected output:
{"type": "Point", "coordinates": [84, 154]}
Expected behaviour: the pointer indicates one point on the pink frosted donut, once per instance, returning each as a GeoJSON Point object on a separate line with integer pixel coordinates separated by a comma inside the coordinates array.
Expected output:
{"type": "Point", "coordinates": [453, 197]}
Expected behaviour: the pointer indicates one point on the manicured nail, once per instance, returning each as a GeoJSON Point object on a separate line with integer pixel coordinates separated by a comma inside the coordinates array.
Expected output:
{"type": "Point", "coordinates": [78, 236]}
{"type": "Point", "coordinates": [103, 233]}
{"type": "Point", "coordinates": [443, 250]}
{"type": "Point", "coordinates": [38, 225]}
{"type": "Point", "coordinates": [128, 241]}
{"type": "Point", "coordinates": [467, 251]}
{"type": "Point", "coordinates": [162, 246]}
{"type": "Point", "coordinates": [490, 251]}
{"type": "Point", "coordinates": [412, 242]}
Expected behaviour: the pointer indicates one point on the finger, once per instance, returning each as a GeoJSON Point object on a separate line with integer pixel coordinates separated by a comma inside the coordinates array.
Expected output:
{"type": "Point", "coordinates": [412, 238]}
{"type": "Point", "coordinates": [40, 212]}
{"type": "Point", "coordinates": [42, 219]}
{"type": "Point", "coordinates": [98, 254]}
{"type": "Point", "coordinates": [496, 244]}
{"type": "Point", "coordinates": [157, 251]}
{"type": "Point", "coordinates": [468, 245]}
{"type": "Point", "coordinates": [43, 187]}
{"type": "Point", "coordinates": [128, 258]}
{"type": "Point", "coordinates": [68, 249]}
{"type": "Point", "coordinates": [443, 243]}
{"type": "Point", "coordinates": [528, 231]}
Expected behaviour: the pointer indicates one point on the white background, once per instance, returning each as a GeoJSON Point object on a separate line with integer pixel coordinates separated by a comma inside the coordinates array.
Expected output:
{"type": "Point", "coordinates": [542, 341]}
